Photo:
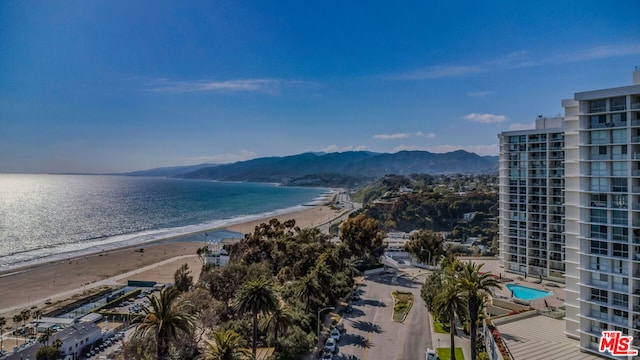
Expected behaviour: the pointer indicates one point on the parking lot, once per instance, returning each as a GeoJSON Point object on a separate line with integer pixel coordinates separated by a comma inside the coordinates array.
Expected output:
{"type": "Point", "coordinates": [370, 332]}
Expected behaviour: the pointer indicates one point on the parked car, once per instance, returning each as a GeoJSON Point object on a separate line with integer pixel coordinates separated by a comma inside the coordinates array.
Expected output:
{"type": "Point", "coordinates": [355, 296]}
{"type": "Point", "coordinates": [348, 309]}
{"type": "Point", "coordinates": [335, 333]}
{"type": "Point", "coordinates": [431, 354]}
{"type": "Point", "coordinates": [331, 345]}
{"type": "Point", "coordinates": [340, 327]}
{"type": "Point", "coordinates": [327, 355]}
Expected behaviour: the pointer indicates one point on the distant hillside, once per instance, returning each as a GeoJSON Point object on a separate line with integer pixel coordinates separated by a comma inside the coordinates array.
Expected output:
{"type": "Point", "coordinates": [170, 171]}
{"type": "Point", "coordinates": [312, 168]}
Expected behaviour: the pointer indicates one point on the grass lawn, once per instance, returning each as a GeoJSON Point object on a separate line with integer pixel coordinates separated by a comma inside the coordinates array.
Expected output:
{"type": "Point", "coordinates": [437, 326]}
{"type": "Point", "coordinates": [445, 353]}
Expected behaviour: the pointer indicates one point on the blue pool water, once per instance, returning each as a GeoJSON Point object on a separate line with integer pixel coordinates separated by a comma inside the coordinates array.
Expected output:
{"type": "Point", "coordinates": [527, 293]}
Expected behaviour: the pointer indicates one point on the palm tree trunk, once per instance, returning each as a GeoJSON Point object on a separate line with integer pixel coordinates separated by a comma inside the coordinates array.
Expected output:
{"type": "Point", "coordinates": [452, 332]}
{"type": "Point", "coordinates": [255, 333]}
{"type": "Point", "coordinates": [473, 327]}
{"type": "Point", "coordinates": [162, 347]}
{"type": "Point", "coordinates": [275, 334]}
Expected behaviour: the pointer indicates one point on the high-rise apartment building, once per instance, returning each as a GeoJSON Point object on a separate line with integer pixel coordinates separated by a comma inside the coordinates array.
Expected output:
{"type": "Point", "coordinates": [531, 194]}
{"type": "Point", "coordinates": [602, 213]}
{"type": "Point", "coordinates": [570, 209]}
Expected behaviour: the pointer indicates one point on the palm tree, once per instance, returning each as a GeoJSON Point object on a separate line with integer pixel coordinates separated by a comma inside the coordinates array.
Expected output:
{"type": "Point", "coordinates": [309, 290]}
{"type": "Point", "coordinates": [26, 315]}
{"type": "Point", "coordinates": [166, 315]}
{"type": "Point", "coordinates": [37, 314]}
{"type": "Point", "coordinates": [279, 320]}
{"type": "Point", "coordinates": [228, 345]}
{"type": "Point", "coordinates": [57, 344]}
{"type": "Point", "coordinates": [256, 297]}
{"type": "Point", "coordinates": [17, 319]}
{"type": "Point", "coordinates": [44, 338]}
{"type": "Point", "coordinates": [3, 322]}
{"type": "Point", "coordinates": [447, 304]}
{"type": "Point", "coordinates": [475, 287]}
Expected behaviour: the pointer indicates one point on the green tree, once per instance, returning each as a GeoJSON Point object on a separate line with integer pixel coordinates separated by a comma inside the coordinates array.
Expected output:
{"type": "Point", "coordinates": [227, 345]}
{"type": "Point", "coordinates": [446, 305]}
{"type": "Point", "coordinates": [256, 297]}
{"type": "Point", "coordinates": [47, 353]}
{"type": "Point", "coordinates": [361, 236]}
{"type": "Point", "coordinates": [279, 320]}
{"type": "Point", "coordinates": [183, 279]}
{"type": "Point", "coordinates": [426, 246]}
{"type": "Point", "coordinates": [475, 287]}
{"type": "Point", "coordinates": [430, 288]}
{"type": "Point", "coordinates": [309, 290]}
{"type": "Point", "coordinates": [161, 321]}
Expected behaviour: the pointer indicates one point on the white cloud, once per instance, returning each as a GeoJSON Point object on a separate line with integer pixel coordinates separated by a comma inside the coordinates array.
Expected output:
{"type": "Point", "coordinates": [485, 118]}
{"type": "Point", "coordinates": [392, 136]}
{"type": "Point", "coordinates": [336, 148]}
{"type": "Point", "coordinates": [440, 71]}
{"type": "Point", "coordinates": [398, 136]}
{"type": "Point", "coordinates": [598, 52]}
{"type": "Point", "coordinates": [269, 86]}
{"type": "Point", "coordinates": [519, 59]}
{"type": "Point", "coordinates": [522, 126]}
{"type": "Point", "coordinates": [478, 149]}
{"type": "Point", "coordinates": [479, 94]}
{"type": "Point", "coordinates": [242, 155]}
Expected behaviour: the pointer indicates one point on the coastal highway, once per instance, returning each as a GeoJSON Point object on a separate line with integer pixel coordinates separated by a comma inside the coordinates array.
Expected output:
{"type": "Point", "coordinates": [342, 201]}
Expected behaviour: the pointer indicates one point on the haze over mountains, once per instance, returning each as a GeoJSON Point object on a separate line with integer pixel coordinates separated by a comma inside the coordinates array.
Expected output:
{"type": "Point", "coordinates": [330, 168]}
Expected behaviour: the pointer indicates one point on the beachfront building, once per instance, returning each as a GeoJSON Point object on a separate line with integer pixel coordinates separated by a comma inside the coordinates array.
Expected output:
{"type": "Point", "coordinates": [531, 198]}
{"type": "Point", "coordinates": [76, 339]}
{"type": "Point", "coordinates": [602, 214]}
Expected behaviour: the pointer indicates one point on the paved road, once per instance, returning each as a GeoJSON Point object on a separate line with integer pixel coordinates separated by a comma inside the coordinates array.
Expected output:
{"type": "Point", "coordinates": [372, 334]}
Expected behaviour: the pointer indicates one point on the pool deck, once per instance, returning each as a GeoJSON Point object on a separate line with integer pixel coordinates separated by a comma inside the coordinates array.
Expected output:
{"type": "Point", "coordinates": [555, 300]}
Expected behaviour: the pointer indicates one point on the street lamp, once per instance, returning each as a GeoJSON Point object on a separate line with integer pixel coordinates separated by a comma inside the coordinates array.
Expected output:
{"type": "Point", "coordinates": [319, 312]}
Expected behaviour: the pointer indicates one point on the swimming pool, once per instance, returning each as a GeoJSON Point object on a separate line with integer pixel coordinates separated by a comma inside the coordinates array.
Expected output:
{"type": "Point", "coordinates": [527, 293]}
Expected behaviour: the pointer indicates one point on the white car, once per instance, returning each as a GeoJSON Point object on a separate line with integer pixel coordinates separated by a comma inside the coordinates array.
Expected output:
{"type": "Point", "coordinates": [331, 345]}
{"type": "Point", "coordinates": [431, 354]}
{"type": "Point", "coordinates": [335, 333]}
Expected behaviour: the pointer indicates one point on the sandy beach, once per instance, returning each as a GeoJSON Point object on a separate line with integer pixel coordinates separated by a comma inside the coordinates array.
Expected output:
{"type": "Point", "coordinates": [33, 286]}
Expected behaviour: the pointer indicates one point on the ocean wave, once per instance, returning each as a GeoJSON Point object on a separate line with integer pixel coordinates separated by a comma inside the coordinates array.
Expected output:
{"type": "Point", "coordinates": [87, 247]}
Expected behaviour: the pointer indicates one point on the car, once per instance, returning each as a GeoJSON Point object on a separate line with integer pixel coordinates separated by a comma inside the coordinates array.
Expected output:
{"type": "Point", "coordinates": [348, 309]}
{"type": "Point", "coordinates": [431, 354]}
{"type": "Point", "coordinates": [335, 333]}
{"type": "Point", "coordinates": [331, 345]}
{"type": "Point", "coordinates": [340, 327]}
{"type": "Point", "coordinates": [355, 297]}
{"type": "Point", "coordinates": [327, 355]}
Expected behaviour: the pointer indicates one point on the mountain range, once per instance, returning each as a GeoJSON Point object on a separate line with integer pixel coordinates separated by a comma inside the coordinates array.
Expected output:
{"type": "Point", "coordinates": [329, 168]}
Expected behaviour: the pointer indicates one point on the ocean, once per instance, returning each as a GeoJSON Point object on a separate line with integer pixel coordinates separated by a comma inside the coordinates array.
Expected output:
{"type": "Point", "coordinates": [49, 217]}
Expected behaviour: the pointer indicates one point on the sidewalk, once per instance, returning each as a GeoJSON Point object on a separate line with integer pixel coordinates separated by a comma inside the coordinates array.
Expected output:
{"type": "Point", "coordinates": [443, 340]}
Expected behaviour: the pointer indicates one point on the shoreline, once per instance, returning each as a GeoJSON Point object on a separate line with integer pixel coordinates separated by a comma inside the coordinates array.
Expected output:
{"type": "Point", "coordinates": [146, 238]}
{"type": "Point", "coordinates": [33, 285]}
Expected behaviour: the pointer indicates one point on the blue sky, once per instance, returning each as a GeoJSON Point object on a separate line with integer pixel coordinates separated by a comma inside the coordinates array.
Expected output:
{"type": "Point", "coordinates": [102, 86]}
